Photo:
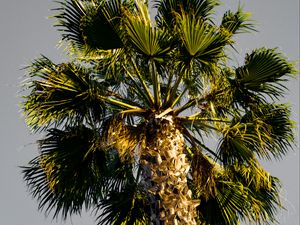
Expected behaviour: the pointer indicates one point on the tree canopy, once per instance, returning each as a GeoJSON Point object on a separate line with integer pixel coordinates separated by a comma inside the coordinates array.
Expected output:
{"type": "Point", "coordinates": [140, 93]}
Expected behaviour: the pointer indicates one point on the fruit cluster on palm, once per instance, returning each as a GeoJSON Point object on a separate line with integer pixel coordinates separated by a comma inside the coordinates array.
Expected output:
{"type": "Point", "coordinates": [131, 118]}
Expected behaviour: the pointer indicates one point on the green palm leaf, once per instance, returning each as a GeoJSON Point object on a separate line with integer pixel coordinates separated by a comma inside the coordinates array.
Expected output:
{"type": "Point", "coordinates": [242, 193]}
{"type": "Point", "coordinates": [145, 38]}
{"type": "Point", "coordinates": [200, 39]}
{"type": "Point", "coordinates": [238, 22]}
{"type": "Point", "coordinates": [126, 206]}
{"type": "Point", "coordinates": [167, 10]}
{"type": "Point", "coordinates": [265, 131]}
{"type": "Point", "coordinates": [263, 200]}
{"type": "Point", "coordinates": [263, 72]}
{"type": "Point", "coordinates": [62, 93]}
{"type": "Point", "coordinates": [278, 138]}
{"type": "Point", "coordinates": [90, 24]}
{"type": "Point", "coordinates": [67, 173]}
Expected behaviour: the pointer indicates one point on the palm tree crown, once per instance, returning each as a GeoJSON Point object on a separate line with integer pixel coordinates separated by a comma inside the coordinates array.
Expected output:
{"type": "Point", "coordinates": [129, 119]}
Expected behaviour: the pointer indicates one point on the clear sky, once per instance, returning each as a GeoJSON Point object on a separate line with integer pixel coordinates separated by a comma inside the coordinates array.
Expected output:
{"type": "Point", "coordinates": [25, 32]}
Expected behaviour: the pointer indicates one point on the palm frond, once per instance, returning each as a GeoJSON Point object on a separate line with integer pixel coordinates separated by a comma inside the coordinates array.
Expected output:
{"type": "Point", "coordinates": [90, 24]}
{"type": "Point", "coordinates": [67, 173]}
{"type": "Point", "coordinates": [264, 72]}
{"type": "Point", "coordinates": [242, 193]}
{"type": "Point", "coordinates": [237, 22]}
{"type": "Point", "coordinates": [125, 206]}
{"type": "Point", "coordinates": [62, 93]}
{"type": "Point", "coordinates": [265, 131]}
{"type": "Point", "coordinates": [167, 9]}
{"type": "Point", "coordinates": [74, 170]}
{"type": "Point", "coordinates": [278, 136]}
{"type": "Point", "coordinates": [225, 206]}
{"type": "Point", "coordinates": [200, 39]}
{"type": "Point", "coordinates": [147, 39]}
{"type": "Point", "coordinates": [263, 200]}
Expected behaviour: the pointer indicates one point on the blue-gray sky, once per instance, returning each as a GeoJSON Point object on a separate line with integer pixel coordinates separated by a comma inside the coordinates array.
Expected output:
{"type": "Point", "coordinates": [25, 32]}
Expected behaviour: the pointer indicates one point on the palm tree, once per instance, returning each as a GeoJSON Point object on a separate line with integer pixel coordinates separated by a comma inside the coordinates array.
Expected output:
{"type": "Point", "coordinates": [131, 118]}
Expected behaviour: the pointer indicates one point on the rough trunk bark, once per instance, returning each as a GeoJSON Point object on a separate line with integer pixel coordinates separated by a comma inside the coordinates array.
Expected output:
{"type": "Point", "coordinates": [165, 169]}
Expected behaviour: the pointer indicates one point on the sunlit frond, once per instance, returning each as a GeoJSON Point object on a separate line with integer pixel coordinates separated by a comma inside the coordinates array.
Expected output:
{"type": "Point", "coordinates": [124, 138]}
{"type": "Point", "coordinates": [277, 136]}
{"type": "Point", "coordinates": [237, 22]}
{"type": "Point", "coordinates": [200, 39]}
{"type": "Point", "coordinates": [145, 38]}
{"type": "Point", "coordinates": [203, 173]}
{"type": "Point", "coordinates": [62, 93]}
{"type": "Point", "coordinates": [265, 131]}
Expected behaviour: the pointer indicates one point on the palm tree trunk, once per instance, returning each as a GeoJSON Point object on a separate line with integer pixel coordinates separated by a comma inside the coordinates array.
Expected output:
{"type": "Point", "coordinates": [165, 169]}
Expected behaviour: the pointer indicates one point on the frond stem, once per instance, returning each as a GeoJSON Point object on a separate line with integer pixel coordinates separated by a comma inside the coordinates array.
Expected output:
{"type": "Point", "coordinates": [194, 141]}
{"type": "Point", "coordinates": [140, 90]}
{"type": "Point", "coordinates": [118, 103]}
{"type": "Point", "coordinates": [195, 118]}
{"type": "Point", "coordinates": [189, 104]}
{"type": "Point", "coordinates": [146, 89]}
{"type": "Point", "coordinates": [156, 84]}
{"type": "Point", "coordinates": [173, 90]}
{"type": "Point", "coordinates": [178, 98]}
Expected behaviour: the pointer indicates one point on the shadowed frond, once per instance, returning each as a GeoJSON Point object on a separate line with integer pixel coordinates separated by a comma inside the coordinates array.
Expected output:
{"type": "Point", "coordinates": [73, 170]}
{"type": "Point", "coordinates": [126, 206]}
{"type": "Point", "coordinates": [68, 172]}
{"type": "Point", "coordinates": [263, 73]}
{"type": "Point", "coordinates": [90, 25]}
{"type": "Point", "coordinates": [167, 9]}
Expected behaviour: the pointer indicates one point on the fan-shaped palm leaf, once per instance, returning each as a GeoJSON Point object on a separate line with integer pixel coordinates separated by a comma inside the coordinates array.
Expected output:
{"type": "Point", "coordinates": [126, 206]}
{"type": "Point", "coordinates": [74, 170]}
{"type": "Point", "coordinates": [263, 72]}
{"type": "Point", "coordinates": [145, 38]}
{"type": "Point", "coordinates": [265, 131]}
{"type": "Point", "coordinates": [63, 93]}
{"type": "Point", "coordinates": [237, 22]}
{"type": "Point", "coordinates": [200, 39]}
{"type": "Point", "coordinates": [90, 24]}
{"type": "Point", "coordinates": [167, 9]}
{"type": "Point", "coordinates": [68, 173]}
{"type": "Point", "coordinates": [244, 193]}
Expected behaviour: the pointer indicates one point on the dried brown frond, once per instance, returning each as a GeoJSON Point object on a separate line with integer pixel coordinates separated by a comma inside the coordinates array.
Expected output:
{"type": "Point", "coordinates": [203, 174]}
{"type": "Point", "coordinates": [123, 137]}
